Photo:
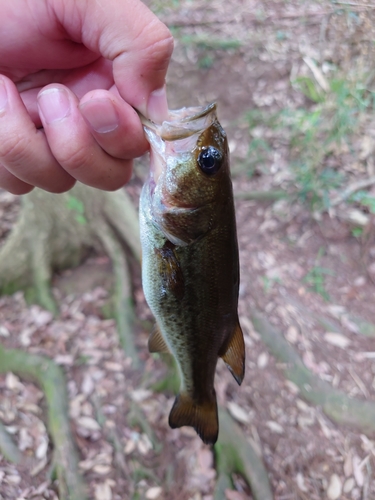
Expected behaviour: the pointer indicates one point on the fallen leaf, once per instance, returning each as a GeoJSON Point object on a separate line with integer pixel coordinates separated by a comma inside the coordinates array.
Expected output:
{"type": "Point", "coordinates": [13, 383]}
{"type": "Point", "coordinates": [263, 359]}
{"type": "Point", "coordinates": [154, 493]}
{"type": "Point", "coordinates": [337, 339]}
{"type": "Point", "coordinates": [4, 332]}
{"type": "Point", "coordinates": [334, 488]}
{"type": "Point", "coordinates": [357, 471]}
{"type": "Point", "coordinates": [292, 334]}
{"type": "Point", "coordinates": [301, 482]}
{"type": "Point", "coordinates": [87, 385]}
{"type": "Point", "coordinates": [103, 492]}
{"type": "Point", "coordinates": [238, 413]}
{"type": "Point", "coordinates": [42, 448]}
{"type": "Point", "coordinates": [102, 469]}
{"type": "Point", "coordinates": [275, 427]}
{"type": "Point", "coordinates": [348, 485]}
{"type": "Point", "coordinates": [144, 444]}
{"type": "Point", "coordinates": [140, 395]}
{"type": "Point", "coordinates": [88, 423]}
{"type": "Point", "coordinates": [25, 440]}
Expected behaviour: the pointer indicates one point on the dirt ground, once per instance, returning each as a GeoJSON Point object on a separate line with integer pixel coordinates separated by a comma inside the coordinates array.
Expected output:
{"type": "Point", "coordinates": [309, 274]}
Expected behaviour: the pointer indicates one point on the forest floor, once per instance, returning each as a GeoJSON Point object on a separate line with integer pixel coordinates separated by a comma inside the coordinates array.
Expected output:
{"type": "Point", "coordinates": [294, 82]}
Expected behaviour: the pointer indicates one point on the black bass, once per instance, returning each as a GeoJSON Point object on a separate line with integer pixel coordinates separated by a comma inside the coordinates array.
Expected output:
{"type": "Point", "coordinates": [190, 267]}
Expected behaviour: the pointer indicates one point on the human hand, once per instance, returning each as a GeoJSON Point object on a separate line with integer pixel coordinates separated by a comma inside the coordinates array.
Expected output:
{"type": "Point", "coordinates": [77, 68]}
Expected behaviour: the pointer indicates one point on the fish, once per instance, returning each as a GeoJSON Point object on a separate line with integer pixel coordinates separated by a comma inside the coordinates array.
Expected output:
{"type": "Point", "coordinates": [190, 261]}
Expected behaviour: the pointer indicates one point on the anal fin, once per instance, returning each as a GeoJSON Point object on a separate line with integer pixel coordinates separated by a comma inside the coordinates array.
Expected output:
{"type": "Point", "coordinates": [202, 417]}
{"type": "Point", "coordinates": [156, 342]}
{"type": "Point", "coordinates": [234, 355]}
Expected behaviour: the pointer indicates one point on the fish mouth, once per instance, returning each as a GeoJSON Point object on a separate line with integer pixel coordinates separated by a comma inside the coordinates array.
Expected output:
{"type": "Point", "coordinates": [178, 134]}
{"type": "Point", "coordinates": [183, 123]}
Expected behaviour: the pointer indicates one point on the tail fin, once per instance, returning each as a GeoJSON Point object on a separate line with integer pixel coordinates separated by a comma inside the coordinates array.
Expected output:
{"type": "Point", "coordinates": [202, 417]}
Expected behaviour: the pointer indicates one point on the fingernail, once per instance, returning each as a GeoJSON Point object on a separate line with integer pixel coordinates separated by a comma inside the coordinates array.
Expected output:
{"type": "Point", "coordinates": [54, 104]}
{"type": "Point", "coordinates": [3, 96]}
{"type": "Point", "coordinates": [101, 115]}
{"type": "Point", "coordinates": [157, 106]}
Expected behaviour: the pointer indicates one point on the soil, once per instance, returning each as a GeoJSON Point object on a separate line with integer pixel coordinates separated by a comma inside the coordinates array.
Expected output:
{"type": "Point", "coordinates": [133, 451]}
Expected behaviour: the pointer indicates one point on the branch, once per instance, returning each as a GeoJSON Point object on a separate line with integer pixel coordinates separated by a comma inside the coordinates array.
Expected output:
{"type": "Point", "coordinates": [51, 379]}
{"type": "Point", "coordinates": [335, 403]}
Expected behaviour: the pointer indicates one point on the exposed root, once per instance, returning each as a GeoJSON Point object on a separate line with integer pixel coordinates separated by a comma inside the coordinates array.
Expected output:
{"type": "Point", "coordinates": [52, 382]}
{"type": "Point", "coordinates": [234, 454]}
{"type": "Point", "coordinates": [123, 300]}
{"type": "Point", "coordinates": [261, 195]}
{"type": "Point", "coordinates": [7, 448]}
{"type": "Point", "coordinates": [55, 232]}
{"type": "Point", "coordinates": [335, 403]}
{"type": "Point", "coordinates": [364, 327]}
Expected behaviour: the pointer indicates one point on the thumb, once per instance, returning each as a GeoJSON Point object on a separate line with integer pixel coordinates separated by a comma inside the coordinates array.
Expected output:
{"type": "Point", "coordinates": [129, 34]}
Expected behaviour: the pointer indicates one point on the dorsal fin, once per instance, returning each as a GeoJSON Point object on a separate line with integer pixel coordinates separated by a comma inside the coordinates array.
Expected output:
{"type": "Point", "coordinates": [156, 342]}
{"type": "Point", "coordinates": [234, 355]}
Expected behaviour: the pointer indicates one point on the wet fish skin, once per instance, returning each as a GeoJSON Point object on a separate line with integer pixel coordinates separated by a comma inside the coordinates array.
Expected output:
{"type": "Point", "coordinates": [190, 268]}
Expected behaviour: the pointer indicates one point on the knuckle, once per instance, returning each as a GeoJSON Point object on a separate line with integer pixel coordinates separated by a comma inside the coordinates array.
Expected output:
{"type": "Point", "coordinates": [160, 50]}
{"type": "Point", "coordinates": [74, 159]}
{"type": "Point", "coordinates": [156, 42]}
{"type": "Point", "coordinates": [15, 149]}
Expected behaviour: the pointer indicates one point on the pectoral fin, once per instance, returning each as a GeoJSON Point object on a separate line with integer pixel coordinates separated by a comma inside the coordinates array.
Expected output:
{"type": "Point", "coordinates": [202, 417]}
{"type": "Point", "coordinates": [156, 342]}
{"type": "Point", "coordinates": [234, 355]}
{"type": "Point", "coordinates": [170, 270]}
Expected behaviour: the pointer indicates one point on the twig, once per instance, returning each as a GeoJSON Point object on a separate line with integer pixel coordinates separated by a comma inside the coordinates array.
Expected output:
{"type": "Point", "coordinates": [318, 75]}
{"type": "Point", "coordinates": [352, 188]}
{"type": "Point", "coordinates": [353, 4]}
{"type": "Point", "coordinates": [359, 382]}
{"type": "Point", "coordinates": [336, 404]}
{"type": "Point", "coordinates": [51, 379]}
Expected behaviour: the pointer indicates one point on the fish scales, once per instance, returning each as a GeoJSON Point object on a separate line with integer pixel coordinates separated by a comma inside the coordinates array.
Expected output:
{"type": "Point", "coordinates": [190, 268]}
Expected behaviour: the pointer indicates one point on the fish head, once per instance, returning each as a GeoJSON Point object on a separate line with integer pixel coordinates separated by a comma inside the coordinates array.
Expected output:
{"type": "Point", "coordinates": [190, 178]}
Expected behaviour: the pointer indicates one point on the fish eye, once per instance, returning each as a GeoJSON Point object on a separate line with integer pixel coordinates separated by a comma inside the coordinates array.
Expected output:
{"type": "Point", "coordinates": [210, 160]}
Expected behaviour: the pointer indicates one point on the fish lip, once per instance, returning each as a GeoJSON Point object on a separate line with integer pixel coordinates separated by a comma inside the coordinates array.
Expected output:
{"type": "Point", "coordinates": [183, 122]}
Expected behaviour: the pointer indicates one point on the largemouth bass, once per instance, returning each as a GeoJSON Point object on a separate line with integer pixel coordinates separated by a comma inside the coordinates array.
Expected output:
{"type": "Point", "coordinates": [190, 268]}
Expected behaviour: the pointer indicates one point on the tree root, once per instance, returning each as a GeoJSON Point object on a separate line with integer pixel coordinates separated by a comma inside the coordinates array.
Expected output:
{"type": "Point", "coordinates": [123, 300]}
{"type": "Point", "coordinates": [364, 327]}
{"type": "Point", "coordinates": [55, 232]}
{"type": "Point", "coordinates": [52, 382]}
{"type": "Point", "coordinates": [337, 405]}
{"type": "Point", "coordinates": [233, 454]}
{"type": "Point", "coordinates": [8, 449]}
{"type": "Point", "coordinates": [261, 195]}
